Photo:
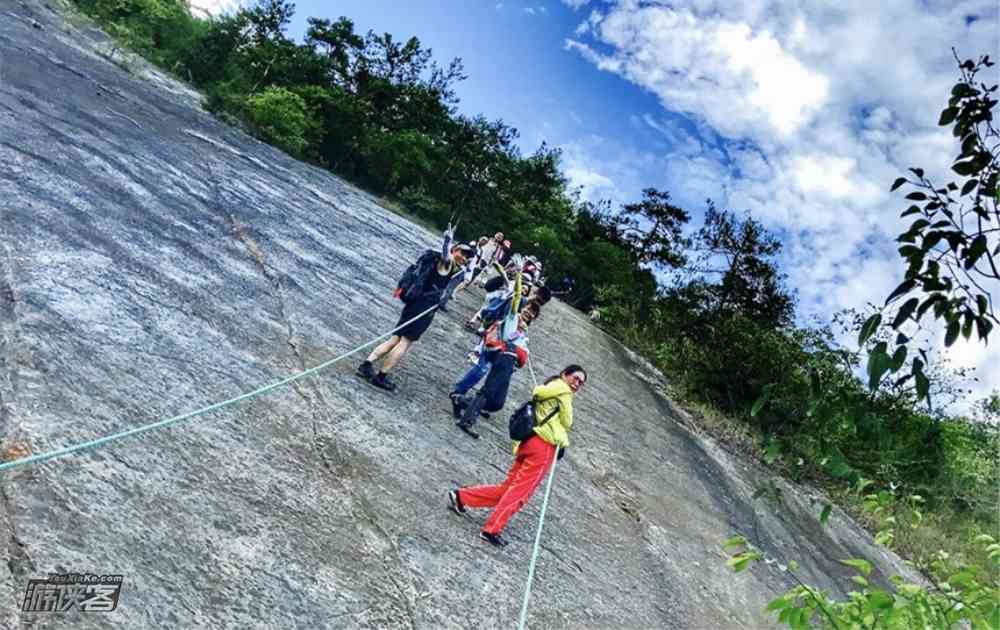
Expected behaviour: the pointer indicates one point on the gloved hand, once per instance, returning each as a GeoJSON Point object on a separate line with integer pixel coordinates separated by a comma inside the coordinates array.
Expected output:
{"type": "Point", "coordinates": [522, 356]}
{"type": "Point", "coordinates": [516, 261]}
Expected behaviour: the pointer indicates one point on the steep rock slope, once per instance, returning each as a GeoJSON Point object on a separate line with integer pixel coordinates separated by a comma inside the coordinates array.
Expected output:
{"type": "Point", "coordinates": [153, 260]}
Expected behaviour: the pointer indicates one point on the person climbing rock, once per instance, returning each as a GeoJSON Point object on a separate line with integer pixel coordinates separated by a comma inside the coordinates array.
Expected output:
{"type": "Point", "coordinates": [493, 253]}
{"type": "Point", "coordinates": [423, 287]}
{"type": "Point", "coordinates": [478, 263]}
{"type": "Point", "coordinates": [499, 292]}
{"type": "Point", "coordinates": [504, 348]}
{"type": "Point", "coordinates": [532, 458]}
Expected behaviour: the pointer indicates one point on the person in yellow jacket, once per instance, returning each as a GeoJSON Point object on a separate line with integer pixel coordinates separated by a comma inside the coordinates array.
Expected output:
{"type": "Point", "coordinates": [532, 458]}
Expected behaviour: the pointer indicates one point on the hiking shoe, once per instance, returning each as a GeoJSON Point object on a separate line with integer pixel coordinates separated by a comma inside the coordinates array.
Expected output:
{"type": "Point", "coordinates": [366, 371]}
{"type": "Point", "coordinates": [381, 380]}
{"type": "Point", "coordinates": [494, 539]}
{"type": "Point", "coordinates": [455, 502]}
{"type": "Point", "coordinates": [484, 414]}
{"type": "Point", "coordinates": [468, 429]}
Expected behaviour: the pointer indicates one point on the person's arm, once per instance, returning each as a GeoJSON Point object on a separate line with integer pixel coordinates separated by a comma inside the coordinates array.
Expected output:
{"type": "Point", "coordinates": [449, 238]}
{"type": "Point", "coordinates": [517, 294]}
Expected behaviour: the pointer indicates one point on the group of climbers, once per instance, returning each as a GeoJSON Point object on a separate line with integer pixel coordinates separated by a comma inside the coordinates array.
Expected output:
{"type": "Point", "coordinates": [514, 298]}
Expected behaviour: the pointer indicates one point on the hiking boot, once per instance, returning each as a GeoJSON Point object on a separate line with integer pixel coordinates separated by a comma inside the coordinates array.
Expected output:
{"type": "Point", "coordinates": [366, 371]}
{"type": "Point", "coordinates": [470, 415]}
{"type": "Point", "coordinates": [381, 380]}
{"type": "Point", "coordinates": [468, 429]}
{"type": "Point", "coordinates": [494, 539]}
{"type": "Point", "coordinates": [455, 502]}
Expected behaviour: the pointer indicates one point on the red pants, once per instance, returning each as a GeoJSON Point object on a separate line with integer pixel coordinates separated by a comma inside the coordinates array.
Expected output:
{"type": "Point", "coordinates": [531, 463]}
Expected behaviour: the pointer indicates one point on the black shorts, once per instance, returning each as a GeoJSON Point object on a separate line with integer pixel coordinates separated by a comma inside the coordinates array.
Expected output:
{"type": "Point", "coordinates": [414, 330]}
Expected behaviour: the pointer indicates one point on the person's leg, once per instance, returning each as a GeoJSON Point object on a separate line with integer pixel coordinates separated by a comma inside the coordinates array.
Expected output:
{"type": "Point", "coordinates": [537, 460]}
{"type": "Point", "coordinates": [383, 348]}
{"type": "Point", "coordinates": [473, 376]}
{"type": "Point", "coordinates": [488, 496]}
{"type": "Point", "coordinates": [396, 353]}
{"type": "Point", "coordinates": [471, 414]}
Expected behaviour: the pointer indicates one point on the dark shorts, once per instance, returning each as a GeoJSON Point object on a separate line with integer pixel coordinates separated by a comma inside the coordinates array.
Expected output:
{"type": "Point", "coordinates": [414, 330]}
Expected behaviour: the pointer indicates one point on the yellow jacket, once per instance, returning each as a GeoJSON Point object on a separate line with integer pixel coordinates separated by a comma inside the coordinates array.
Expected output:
{"type": "Point", "coordinates": [546, 397]}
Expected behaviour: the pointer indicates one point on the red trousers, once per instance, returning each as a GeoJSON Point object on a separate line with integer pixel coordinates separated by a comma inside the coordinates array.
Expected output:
{"type": "Point", "coordinates": [531, 463]}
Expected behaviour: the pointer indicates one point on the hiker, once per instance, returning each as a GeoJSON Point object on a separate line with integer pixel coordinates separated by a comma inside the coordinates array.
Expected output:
{"type": "Point", "coordinates": [472, 267]}
{"type": "Point", "coordinates": [499, 291]}
{"type": "Point", "coordinates": [504, 347]}
{"type": "Point", "coordinates": [460, 280]}
{"type": "Point", "coordinates": [422, 288]}
{"type": "Point", "coordinates": [498, 255]}
{"type": "Point", "coordinates": [532, 458]}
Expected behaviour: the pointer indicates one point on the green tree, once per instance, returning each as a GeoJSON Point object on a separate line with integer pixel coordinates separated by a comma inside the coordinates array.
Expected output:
{"type": "Point", "coordinates": [279, 116]}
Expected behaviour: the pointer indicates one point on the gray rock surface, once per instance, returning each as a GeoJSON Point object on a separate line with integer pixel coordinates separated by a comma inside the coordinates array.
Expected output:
{"type": "Point", "coordinates": [154, 260]}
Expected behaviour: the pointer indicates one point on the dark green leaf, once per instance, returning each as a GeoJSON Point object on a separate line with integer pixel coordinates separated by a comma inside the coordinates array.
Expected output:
{"type": "Point", "coordinates": [908, 250]}
{"type": "Point", "coordinates": [902, 339]}
{"type": "Point", "coordinates": [974, 252]}
{"type": "Point", "coordinates": [905, 311]}
{"type": "Point", "coordinates": [983, 328]}
{"type": "Point", "coordinates": [922, 383]}
{"type": "Point", "coordinates": [952, 334]}
{"type": "Point", "coordinates": [910, 210]}
{"type": "Point", "coordinates": [967, 326]}
{"type": "Point", "coordinates": [916, 196]}
{"type": "Point", "coordinates": [878, 364]}
{"type": "Point", "coordinates": [869, 327]}
{"type": "Point", "coordinates": [905, 287]}
{"type": "Point", "coordinates": [965, 168]}
{"type": "Point", "coordinates": [935, 297]}
{"type": "Point", "coordinates": [918, 225]}
{"type": "Point", "coordinates": [947, 116]}
{"type": "Point", "coordinates": [898, 358]}
{"type": "Point", "coordinates": [896, 184]}
{"type": "Point", "coordinates": [919, 172]}
{"type": "Point", "coordinates": [982, 303]}
{"type": "Point", "coordinates": [969, 186]}
{"type": "Point", "coordinates": [825, 514]}
{"type": "Point", "coordinates": [930, 240]}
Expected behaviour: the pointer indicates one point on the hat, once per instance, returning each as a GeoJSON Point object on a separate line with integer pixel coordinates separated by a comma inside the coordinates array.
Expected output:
{"type": "Point", "coordinates": [466, 250]}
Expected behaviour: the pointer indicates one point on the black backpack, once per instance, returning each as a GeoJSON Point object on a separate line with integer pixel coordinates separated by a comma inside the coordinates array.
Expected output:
{"type": "Point", "coordinates": [522, 422]}
{"type": "Point", "coordinates": [412, 282]}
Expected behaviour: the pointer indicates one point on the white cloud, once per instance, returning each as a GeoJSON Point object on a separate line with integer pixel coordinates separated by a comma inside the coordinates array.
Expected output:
{"type": "Point", "coordinates": [805, 113]}
{"type": "Point", "coordinates": [593, 185]}
{"type": "Point", "coordinates": [529, 10]}
{"type": "Point", "coordinates": [576, 4]}
{"type": "Point", "coordinates": [215, 7]}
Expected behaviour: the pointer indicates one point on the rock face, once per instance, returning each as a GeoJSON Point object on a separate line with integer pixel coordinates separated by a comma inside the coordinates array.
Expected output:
{"type": "Point", "coordinates": [154, 261]}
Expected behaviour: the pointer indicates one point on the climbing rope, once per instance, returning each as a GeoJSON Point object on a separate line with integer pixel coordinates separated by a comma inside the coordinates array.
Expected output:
{"type": "Point", "coordinates": [84, 446]}
{"type": "Point", "coordinates": [538, 534]}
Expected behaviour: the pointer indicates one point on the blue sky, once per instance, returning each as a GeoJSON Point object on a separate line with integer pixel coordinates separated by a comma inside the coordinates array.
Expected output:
{"type": "Point", "coordinates": [801, 112]}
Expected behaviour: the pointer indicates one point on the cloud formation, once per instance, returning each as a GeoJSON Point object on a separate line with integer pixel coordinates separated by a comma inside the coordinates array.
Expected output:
{"type": "Point", "coordinates": [805, 113]}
